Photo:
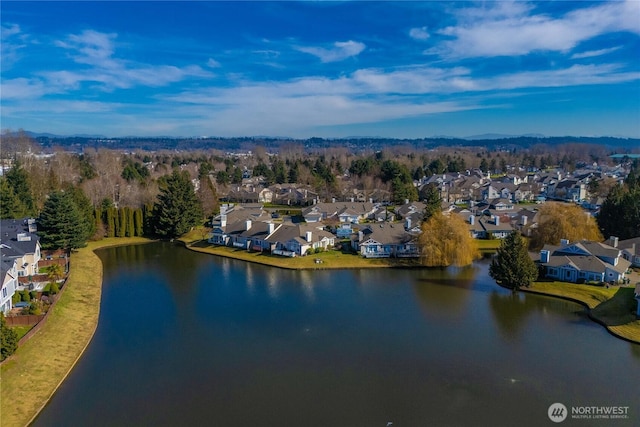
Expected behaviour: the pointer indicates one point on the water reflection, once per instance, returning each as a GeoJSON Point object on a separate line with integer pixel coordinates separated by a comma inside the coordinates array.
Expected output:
{"type": "Point", "coordinates": [635, 351]}
{"type": "Point", "coordinates": [271, 276]}
{"type": "Point", "coordinates": [307, 285]}
{"type": "Point", "coordinates": [510, 312]}
{"type": "Point", "coordinates": [443, 292]}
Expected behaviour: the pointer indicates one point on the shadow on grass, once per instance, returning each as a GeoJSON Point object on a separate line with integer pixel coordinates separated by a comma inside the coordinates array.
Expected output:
{"type": "Point", "coordinates": [619, 310]}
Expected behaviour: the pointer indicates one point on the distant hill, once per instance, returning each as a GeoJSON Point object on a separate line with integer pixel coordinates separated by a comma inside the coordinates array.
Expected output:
{"type": "Point", "coordinates": [488, 141]}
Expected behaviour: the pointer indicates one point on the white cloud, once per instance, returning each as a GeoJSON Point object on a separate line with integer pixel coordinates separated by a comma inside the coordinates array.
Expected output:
{"type": "Point", "coordinates": [91, 47]}
{"type": "Point", "coordinates": [592, 53]}
{"type": "Point", "coordinates": [97, 51]}
{"type": "Point", "coordinates": [419, 33]}
{"type": "Point", "coordinates": [22, 88]}
{"type": "Point", "coordinates": [340, 51]}
{"type": "Point", "coordinates": [512, 28]}
{"type": "Point", "coordinates": [12, 40]}
{"type": "Point", "coordinates": [8, 30]}
{"type": "Point", "coordinates": [212, 63]}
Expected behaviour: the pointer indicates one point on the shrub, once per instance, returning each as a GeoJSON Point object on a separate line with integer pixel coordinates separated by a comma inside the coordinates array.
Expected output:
{"type": "Point", "coordinates": [25, 296]}
{"type": "Point", "coordinates": [8, 338]}
{"type": "Point", "coordinates": [53, 288]}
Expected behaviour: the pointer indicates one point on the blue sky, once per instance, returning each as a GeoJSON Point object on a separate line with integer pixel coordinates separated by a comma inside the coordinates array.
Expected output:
{"type": "Point", "coordinates": [327, 69]}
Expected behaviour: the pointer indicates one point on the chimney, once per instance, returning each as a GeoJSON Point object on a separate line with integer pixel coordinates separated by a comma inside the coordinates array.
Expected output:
{"type": "Point", "coordinates": [406, 201]}
{"type": "Point", "coordinates": [613, 241]}
{"type": "Point", "coordinates": [497, 220]}
{"type": "Point", "coordinates": [524, 219]}
{"type": "Point", "coordinates": [309, 236]}
{"type": "Point", "coordinates": [564, 243]}
{"type": "Point", "coordinates": [407, 224]}
{"type": "Point", "coordinates": [370, 199]}
{"type": "Point", "coordinates": [333, 200]}
{"type": "Point", "coordinates": [472, 219]}
{"type": "Point", "coordinates": [247, 224]}
{"type": "Point", "coordinates": [223, 220]}
{"type": "Point", "coordinates": [352, 200]}
{"type": "Point", "coordinates": [272, 227]}
{"type": "Point", "coordinates": [544, 257]}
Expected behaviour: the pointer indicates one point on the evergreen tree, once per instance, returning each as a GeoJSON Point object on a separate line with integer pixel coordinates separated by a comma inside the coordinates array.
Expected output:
{"type": "Point", "coordinates": [131, 228]}
{"type": "Point", "coordinates": [620, 213]}
{"type": "Point", "coordinates": [84, 207]}
{"type": "Point", "coordinates": [61, 224]}
{"type": "Point", "coordinates": [138, 222]}
{"type": "Point", "coordinates": [177, 209]}
{"type": "Point", "coordinates": [10, 204]}
{"type": "Point", "coordinates": [122, 222]}
{"type": "Point", "coordinates": [512, 267]}
{"type": "Point", "coordinates": [18, 181]}
{"type": "Point", "coordinates": [8, 339]}
{"type": "Point", "coordinates": [111, 222]}
{"type": "Point", "coordinates": [431, 197]}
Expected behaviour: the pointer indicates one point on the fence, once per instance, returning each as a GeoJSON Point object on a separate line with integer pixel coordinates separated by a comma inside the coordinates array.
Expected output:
{"type": "Point", "coordinates": [24, 320]}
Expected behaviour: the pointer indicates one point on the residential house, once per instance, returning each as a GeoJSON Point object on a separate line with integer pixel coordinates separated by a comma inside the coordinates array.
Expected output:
{"type": "Point", "coordinates": [525, 220]}
{"type": "Point", "coordinates": [354, 213]}
{"type": "Point", "coordinates": [265, 195]}
{"type": "Point", "coordinates": [385, 241]}
{"type": "Point", "coordinates": [584, 261]}
{"type": "Point", "coordinates": [293, 195]}
{"type": "Point", "coordinates": [232, 221]}
{"type": "Point", "coordinates": [630, 249]}
{"type": "Point", "coordinates": [299, 239]}
{"type": "Point", "coordinates": [487, 226]}
{"type": "Point", "coordinates": [9, 277]}
{"type": "Point", "coordinates": [570, 190]}
{"type": "Point", "coordinates": [18, 241]}
{"type": "Point", "coordinates": [410, 208]}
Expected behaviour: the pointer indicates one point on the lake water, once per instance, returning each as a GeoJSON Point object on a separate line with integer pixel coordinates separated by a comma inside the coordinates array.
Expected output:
{"type": "Point", "coordinates": [192, 339]}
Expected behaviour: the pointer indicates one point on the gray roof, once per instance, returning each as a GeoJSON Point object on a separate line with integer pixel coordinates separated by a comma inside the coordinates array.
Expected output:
{"type": "Point", "coordinates": [15, 238]}
{"type": "Point", "coordinates": [287, 232]}
{"type": "Point", "coordinates": [388, 234]}
{"type": "Point", "coordinates": [632, 245]}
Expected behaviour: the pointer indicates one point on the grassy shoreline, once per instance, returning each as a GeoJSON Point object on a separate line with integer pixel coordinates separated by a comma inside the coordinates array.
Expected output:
{"type": "Point", "coordinates": [610, 307]}
{"type": "Point", "coordinates": [32, 375]}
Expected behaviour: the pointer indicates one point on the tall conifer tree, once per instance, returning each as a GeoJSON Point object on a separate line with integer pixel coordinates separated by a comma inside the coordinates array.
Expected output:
{"type": "Point", "coordinates": [177, 209]}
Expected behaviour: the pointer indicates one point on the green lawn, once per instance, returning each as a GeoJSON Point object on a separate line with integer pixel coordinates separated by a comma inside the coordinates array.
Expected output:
{"type": "Point", "coordinates": [329, 259]}
{"type": "Point", "coordinates": [613, 306]}
{"type": "Point", "coordinates": [488, 245]}
{"type": "Point", "coordinates": [588, 294]}
{"type": "Point", "coordinates": [21, 330]}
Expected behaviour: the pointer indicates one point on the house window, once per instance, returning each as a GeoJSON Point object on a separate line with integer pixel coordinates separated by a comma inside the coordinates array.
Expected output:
{"type": "Point", "coordinates": [4, 292]}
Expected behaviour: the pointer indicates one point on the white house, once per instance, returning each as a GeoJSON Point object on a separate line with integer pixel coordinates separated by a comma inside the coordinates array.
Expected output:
{"type": "Point", "coordinates": [9, 276]}
{"type": "Point", "coordinates": [18, 241]}
{"type": "Point", "coordinates": [385, 241]}
{"type": "Point", "coordinates": [583, 261]}
{"type": "Point", "coordinates": [630, 249]}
